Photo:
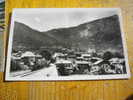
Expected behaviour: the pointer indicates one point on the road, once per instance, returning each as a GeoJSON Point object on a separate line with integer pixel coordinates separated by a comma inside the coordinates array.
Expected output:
{"type": "Point", "coordinates": [42, 73]}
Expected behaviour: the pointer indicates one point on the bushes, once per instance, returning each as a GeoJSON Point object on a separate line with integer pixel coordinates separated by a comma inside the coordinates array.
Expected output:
{"type": "Point", "coordinates": [108, 55]}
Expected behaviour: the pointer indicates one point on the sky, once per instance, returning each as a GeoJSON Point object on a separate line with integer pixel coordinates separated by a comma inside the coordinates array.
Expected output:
{"type": "Point", "coordinates": [45, 19]}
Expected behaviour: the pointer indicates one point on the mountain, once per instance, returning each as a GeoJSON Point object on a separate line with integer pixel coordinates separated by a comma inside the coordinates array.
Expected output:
{"type": "Point", "coordinates": [28, 37]}
{"type": "Point", "coordinates": [102, 34]}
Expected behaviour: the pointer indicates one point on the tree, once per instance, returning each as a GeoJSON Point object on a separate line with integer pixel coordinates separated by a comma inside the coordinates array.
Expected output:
{"type": "Point", "coordinates": [46, 54]}
{"type": "Point", "coordinates": [107, 55]}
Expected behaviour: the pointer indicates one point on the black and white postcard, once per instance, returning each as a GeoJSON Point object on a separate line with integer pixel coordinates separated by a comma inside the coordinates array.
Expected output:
{"type": "Point", "coordinates": [66, 44]}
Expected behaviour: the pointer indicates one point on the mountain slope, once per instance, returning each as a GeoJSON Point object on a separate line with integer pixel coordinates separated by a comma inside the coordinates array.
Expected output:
{"type": "Point", "coordinates": [101, 34]}
{"type": "Point", "coordinates": [27, 37]}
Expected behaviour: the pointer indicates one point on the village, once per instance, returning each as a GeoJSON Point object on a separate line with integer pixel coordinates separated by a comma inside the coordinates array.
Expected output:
{"type": "Point", "coordinates": [65, 62]}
